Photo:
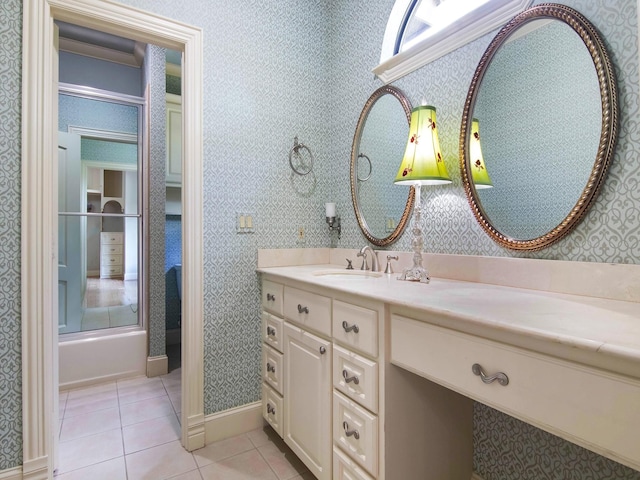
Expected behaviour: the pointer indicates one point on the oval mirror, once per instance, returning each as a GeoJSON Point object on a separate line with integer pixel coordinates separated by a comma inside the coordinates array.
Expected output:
{"type": "Point", "coordinates": [539, 127]}
{"type": "Point", "coordinates": [382, 209]}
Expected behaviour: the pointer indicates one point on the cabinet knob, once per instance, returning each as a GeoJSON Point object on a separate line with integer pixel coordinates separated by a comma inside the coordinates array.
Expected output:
{"type": "Point", "coordinates": [350, 433]}
{"type": "Point", "coordinates": [271, 368]}
{"type": "Point", "coordinates": [323, 350]}
{"type": "Point", "coordinates": [271, 331]}
{"type": "Point", "coordinates": [348, 328]}
{"type": "Point", "coordinates": [302, 309]}
{"type": "Point", "coordinates": [349, 379]}
{"type": "Point", "coordinates": [500, 377]}
{"type": "Point", "coordinates": [271, 297]}
{"type": "Point", "coordinates": [270, 409]}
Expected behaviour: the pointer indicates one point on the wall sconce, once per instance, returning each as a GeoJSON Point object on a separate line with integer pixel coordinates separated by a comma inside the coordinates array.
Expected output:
{"type": "Point", "coordinates": [332, 219]}
{"type": "Point", "coordinates": [479, 173]}
{"type": "Point", "coordinates": [422, 164]}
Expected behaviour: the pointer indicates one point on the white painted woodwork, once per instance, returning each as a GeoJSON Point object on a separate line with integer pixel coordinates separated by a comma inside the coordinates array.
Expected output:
{"type": "Point", "coordinates": [365, 339]}
{"type": "Point", "coordinates": [111, 254]}
{"type": "Point", "coordinates": [307, 399]}
{"type": "Point", "coordinates": [316, 310]}
{"type": "Point", "coordinates": [272, 331]}
{"type": "Point", "coordinates": [272, 368]}
{"type": "Point", "coordinates": [588, 406]}
{"type": "Point", "coordinates": [174, 140]}
{"type": "Point", "coordinates": [346, 469]}
{"type": "Point", "coordinates": [365, 391]}
{"type": "Point", "coordinates": [273, 297]}
{"type": "Point", "coordinates": [273, 408]}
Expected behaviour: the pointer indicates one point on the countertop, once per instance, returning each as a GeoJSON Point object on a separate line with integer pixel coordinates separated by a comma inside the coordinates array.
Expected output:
{"type": "Point", "coordinates": [598, 332]}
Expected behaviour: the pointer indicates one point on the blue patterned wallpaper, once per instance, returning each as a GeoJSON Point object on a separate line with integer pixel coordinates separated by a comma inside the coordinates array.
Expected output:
{"type": "Point", "coordinates": [274, 70]}
{"type": "Point", "coordinates": [98, 114]}
{"type": "Point", "coordinates": [10, 326]}
{"type": "Point", "coordinates": [106, 151]}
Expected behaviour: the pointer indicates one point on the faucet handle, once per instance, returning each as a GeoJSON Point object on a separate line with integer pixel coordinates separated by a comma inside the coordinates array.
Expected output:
{"type": "Point", "coordinates": [349, 266]}
{"type": "Point", "coordinates": [365, 265]}
{"type": "Point", "coordinates": [389, 270]}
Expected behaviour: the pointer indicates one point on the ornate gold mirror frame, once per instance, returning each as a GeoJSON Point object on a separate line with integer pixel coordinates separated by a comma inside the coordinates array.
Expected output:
{"type": "Point", "coordinates": [355, 154]}
{"type": "Point", "coordinates": [608, 135]}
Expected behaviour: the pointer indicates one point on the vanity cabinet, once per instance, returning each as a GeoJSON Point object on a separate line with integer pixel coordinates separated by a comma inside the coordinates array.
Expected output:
{"type": "Point", "coordinates": [111, 254]}
{"type": "Point", "coordinates": [272, 356]}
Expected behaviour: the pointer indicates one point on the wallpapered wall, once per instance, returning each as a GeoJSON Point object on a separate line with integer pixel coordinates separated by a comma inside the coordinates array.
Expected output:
{"type": "Point", "coordinates": [279, 69]}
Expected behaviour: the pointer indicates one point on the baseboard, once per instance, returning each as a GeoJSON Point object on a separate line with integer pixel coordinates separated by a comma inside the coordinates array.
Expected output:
{"type": "Point", "coordinates": [91, 273]}
{"type": "Point", "coordinates": [88, 382]}
{"type": "Point", "coordinates": [475, 476]}
{"type": "Point", "coordinates": [157, 366]}
{"type": "Point", "coordinates": [11, 474]}
{"type": "Point", "coordinates": [232, 422]}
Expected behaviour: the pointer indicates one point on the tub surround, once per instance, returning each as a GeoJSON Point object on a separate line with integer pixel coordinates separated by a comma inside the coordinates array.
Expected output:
{"type": "Point", "coordinates": [580, 322]}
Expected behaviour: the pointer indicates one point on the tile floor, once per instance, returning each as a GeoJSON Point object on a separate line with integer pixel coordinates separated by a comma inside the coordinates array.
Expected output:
{"type": "Point", "coordinates": [130, 430]}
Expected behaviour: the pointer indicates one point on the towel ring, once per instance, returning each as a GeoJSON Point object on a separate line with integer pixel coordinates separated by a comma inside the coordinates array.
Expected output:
{"type": "Point", "coordinates": [362, 155]}
{"type": "Point", "coordinates": [296, 150]}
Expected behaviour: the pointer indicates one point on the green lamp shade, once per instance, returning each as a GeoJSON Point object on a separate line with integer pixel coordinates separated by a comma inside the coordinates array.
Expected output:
{"type": "Point", "coordinates": [479, 173]}
{"type": "Point", "coordinates": [422, 162]}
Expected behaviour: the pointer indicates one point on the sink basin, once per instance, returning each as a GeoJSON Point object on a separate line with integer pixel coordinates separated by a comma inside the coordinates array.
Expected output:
{"type": "Point", "coordinates": [338, 273]}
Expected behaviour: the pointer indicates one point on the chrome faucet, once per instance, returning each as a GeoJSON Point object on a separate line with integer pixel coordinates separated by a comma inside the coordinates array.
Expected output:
{"type": "Point", "coordinates": [374, 259]}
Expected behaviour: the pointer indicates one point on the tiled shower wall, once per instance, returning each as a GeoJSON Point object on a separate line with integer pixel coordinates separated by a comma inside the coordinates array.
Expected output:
{"type": "Point", "coordinates": [274, 70]}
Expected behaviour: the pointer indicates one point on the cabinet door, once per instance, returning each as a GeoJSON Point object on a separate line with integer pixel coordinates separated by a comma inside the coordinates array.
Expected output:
{"type": "Point", "coordinates": [307, 398]}
{"type": "Point", "coordinates": [174, 140]}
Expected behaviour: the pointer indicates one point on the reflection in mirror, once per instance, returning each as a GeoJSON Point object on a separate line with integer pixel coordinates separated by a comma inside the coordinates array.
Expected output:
{"type": "Point", "coordinates": [381, 207]}
{"type": "Point", "coordinates": [543, 121]}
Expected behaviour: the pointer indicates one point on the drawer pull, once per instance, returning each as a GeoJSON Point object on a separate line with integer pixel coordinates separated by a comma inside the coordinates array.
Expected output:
{"type": "Point", "coordinates": [271, 409]}
{"type": "Point", "coordinates": [271, 331]}
{"type": "Point", "coordinates": [323, 350]}
{"type": "Point", "coordinates": [500, 377]}
{"type": "Point", "coordinates": [349, 379]}
{"type": "Point", "coordinates": [348, 328]}
{"type": "Point", "coordinates": [271, 297]}
{"type": "Point", "coordinates": [302, 309]}
{"type": "Point", "coordinates": [271, 368]}
{"type": "Point", "coordinates": [350, 433]}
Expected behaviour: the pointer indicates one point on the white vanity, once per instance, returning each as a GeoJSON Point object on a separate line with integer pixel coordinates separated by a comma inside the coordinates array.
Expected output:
{"type": "Point", "coordinates": [334, 342]}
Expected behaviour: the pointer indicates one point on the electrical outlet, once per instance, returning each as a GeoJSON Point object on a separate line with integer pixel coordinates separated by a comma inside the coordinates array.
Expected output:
{"type": "Point", "coordinates": [300, 239]}
{"type": "Point", "coordinates": [244, 223]}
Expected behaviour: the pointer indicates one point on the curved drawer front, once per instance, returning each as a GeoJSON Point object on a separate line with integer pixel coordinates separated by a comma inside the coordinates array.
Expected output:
{"type": "Point", "coordinates": [272, 297]}
{"type": "Point", "coordinates": [272, 331]}
{"type": "Point", "coordinates": [581, 404]}
{"type": "Point", "coordinates": [311, 310]}
{"type": "Point", "coordinates": [346, 469]}
{"type": "Point", "coordinates": [272, 408]}
{"type": "Point", "coordinates": [356, 327]}
{"type": "Point", "coordinates": [355, 430]}
{"type": "Point", "coordinates": [356, 377]}
{"type": "Point", "coordinates": [272, 368]}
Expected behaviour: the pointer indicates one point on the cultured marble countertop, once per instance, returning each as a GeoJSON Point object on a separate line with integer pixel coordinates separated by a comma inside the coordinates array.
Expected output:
{"type": "Point", "coordinates": [599, 332]}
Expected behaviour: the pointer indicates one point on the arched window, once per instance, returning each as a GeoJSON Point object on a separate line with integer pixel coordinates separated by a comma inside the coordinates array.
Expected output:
{"type": "Point", "coordinates": [420, 31]}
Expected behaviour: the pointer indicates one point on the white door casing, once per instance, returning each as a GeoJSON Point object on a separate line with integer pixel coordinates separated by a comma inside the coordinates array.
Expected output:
{"type": "Point", "coordinates": [39, 215]}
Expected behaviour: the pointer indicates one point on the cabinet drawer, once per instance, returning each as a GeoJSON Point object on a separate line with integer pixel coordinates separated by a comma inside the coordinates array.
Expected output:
{"type": "Point", "coordinates": [311, 310]}
{"type": "Point", "coordinates": [581, 404]}
{"type": "Point", "coordinates": [346, 469]}
{"type": "Point", "coordinates": [111, 249]}
{"type": "Point", "coordinates": [272, 371]}
{"type": "Point", "coordinates": [356, 327]}
{"type": "Point", "coordinates": [355, 430]}
{"type": "Point", "coordinates": [272, 333]}
{"type": "Point", "coordinates": [362, 374]}
{"type": "Point", "coordinates": [272, 297]}
{"type": "Point", "coordinates": [106, 270]}
{"type": "Point", "coordinates": [111, 237]}
{"type": "Point", "coordinates": [111, 260]}
{"type": "Point", "coordinates": [272, 408]}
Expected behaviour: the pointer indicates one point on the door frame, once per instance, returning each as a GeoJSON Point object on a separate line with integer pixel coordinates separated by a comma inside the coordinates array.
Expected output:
{"type": "Point", "coordinates": [39, 222]}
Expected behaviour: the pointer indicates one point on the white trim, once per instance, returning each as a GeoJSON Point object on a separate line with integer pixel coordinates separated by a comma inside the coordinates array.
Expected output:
{"type": "Point", "coordinates": [128, 167]}
{"type": "Point", "coordinates": [39, 194]}
{"type": "Point", "coordinates": [232, 422]}
{"type": "Point", "coordinates": [479, 22]}
{"type": "Point", "coordinates": [93, 93]}
{"type": "Point", "coordinates": [11, 474]}
{"type": "Point", "coordinates": [475, 476]}
{"type": "Point", "coordinates": [103, 134]}
{"type": "Point", "coordinates": [157, 366]}
{"type": "Point", "coordinates": [173, 70]}
{"type": "Point", "coordinates": [101, 53]}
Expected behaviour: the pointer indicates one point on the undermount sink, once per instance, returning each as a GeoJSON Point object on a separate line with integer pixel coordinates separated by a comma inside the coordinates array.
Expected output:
{"type": "Point", "coordinates": [347, 273]}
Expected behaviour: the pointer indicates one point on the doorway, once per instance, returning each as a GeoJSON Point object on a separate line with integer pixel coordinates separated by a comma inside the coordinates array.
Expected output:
{"type": "Point", "coordinates": [39, 194]}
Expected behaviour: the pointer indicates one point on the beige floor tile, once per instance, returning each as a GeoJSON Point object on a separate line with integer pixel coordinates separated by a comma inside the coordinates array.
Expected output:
{"type": "Point", "coordinates": [222, 449]}
{"type": "Point", "coordinates": [262, 436]}
{"type": "Point", "coordinates": [110, 470]}
{"type": "Point", "coordinates": [159, 463]}
{"type": "Point", "coordinates": [129, 383]}
{"type": "Point", "coordinates": [86, 451]}
{"type": "Point", "coordinates": [246, 466]}
{"type": "Point", "coordinates": [92, 390]}
{"type": "Point", "coordinates": [137, 412]}
{"type": "Point", "coordinates": [305, 476]}
{"type": "Point", "coordinates": [141, 392]}
{"type": "Point", "coordinates": [192, 475]}
{"type": "Point", "coordinates": [89, 424]}
{"type": "Point", "coordinates": [282, 460]}
{"type": "Point", "coordinates": [150, 433]}
{"type": "Point", "coordinates": [91, 403]}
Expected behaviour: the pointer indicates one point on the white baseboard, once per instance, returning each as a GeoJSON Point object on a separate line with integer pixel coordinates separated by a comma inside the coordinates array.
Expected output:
{"type": "Point", "coordinates": [475, 476]}
{"type": "Point", "coordinates": [157, 366]}
{"type": "Point", "coordinates": [11, 474]}
{"type": "Point", "coordinates": [232, 422]}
